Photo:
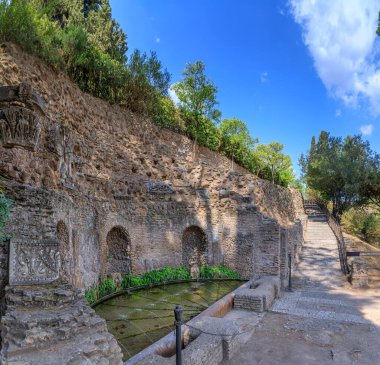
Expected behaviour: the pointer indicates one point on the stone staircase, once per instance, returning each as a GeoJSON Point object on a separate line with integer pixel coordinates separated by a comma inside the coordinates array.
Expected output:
{"type": "Point", "coordinates": [320, 265]}
{"type": "Point", "coordinates": [318, 277]}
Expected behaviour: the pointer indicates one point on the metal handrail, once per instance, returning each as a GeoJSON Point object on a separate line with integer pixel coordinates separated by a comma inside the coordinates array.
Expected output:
{"type": "Point", "coordinates": [337, 230]}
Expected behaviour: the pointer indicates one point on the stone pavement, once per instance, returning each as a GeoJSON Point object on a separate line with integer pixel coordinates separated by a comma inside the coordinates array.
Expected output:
{"type": "Point", "coordinates": [323, 320]}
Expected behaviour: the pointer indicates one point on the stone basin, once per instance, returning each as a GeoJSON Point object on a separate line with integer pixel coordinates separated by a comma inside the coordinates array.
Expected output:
{"type": "Point", "coordinates": [141, 318]}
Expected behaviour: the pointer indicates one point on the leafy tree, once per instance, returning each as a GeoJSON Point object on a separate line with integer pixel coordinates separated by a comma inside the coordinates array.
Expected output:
{"type": "Point", "coordinates": [235, 140]}
{"type": "Point", "coordinates": [145, 84]}
{"type": "Point", "coordinates": [197, 95]}
{"type": "Point", "coordinates": [340, 170]}
{"type": "Point", "coordinates": [369, 191]}
{"type": "Point", "coordinates": [279, 164]}
{"type": "Point", "coordinates": [299, 185]}
{"type": "Point", "coordinates": [166, 115]}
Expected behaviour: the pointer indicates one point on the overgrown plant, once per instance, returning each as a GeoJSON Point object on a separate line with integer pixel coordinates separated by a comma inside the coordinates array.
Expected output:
{"type": "Point", "coordinates": [5, 206]}
{"type": "Point", "coordinates": [81, 38]}
{"type": "Point", "coordinates": [106, 287]}
{"type": "Point", "coordinates": [218, 272]}
{"type": "Point", "coordinates": [159, 276]}
{"type": "Point", "coordinates": [362, 223]}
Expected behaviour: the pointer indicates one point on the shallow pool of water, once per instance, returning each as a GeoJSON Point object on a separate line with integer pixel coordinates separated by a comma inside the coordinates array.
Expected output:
{"type": "Point", "coordinates": [141, 318]}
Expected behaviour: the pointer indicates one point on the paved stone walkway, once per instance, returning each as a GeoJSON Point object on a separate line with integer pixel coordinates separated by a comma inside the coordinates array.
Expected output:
{"type": "Point", "coordinates": [324, 320]}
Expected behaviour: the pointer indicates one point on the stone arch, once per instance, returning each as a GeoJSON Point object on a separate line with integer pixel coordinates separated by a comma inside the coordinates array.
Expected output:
{"type": "Point", "coordinates": [65, 251]}
{"type": "Point", "coordinates": [194, 247]}
{"type": "Point", "coordinates": [119, 251]}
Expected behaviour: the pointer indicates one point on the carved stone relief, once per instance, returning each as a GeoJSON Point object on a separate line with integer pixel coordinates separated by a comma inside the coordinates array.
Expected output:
{"type": "Point", "coordinates": [21, 113]}
{"type": "Point", "coordinates": [65, 149]}
{"type": "Point", "coordinates": [19, 127]}
{"type": "Point", "coordinates": [60, 141]}
{"type": "Point", "coordinates": [33, 261]}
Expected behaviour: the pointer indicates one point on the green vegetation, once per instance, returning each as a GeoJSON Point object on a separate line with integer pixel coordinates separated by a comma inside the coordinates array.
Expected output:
{"type": "Point", "coordinates": [220, 271]}
{"type": "Point", "coordinates": [345, 175]}
{"type": "Point", "coordinates": [236, 142]}
{"type": "Point", "coordinates": [5, 205]}
{"type": "Point", "coordinates": [271, 157]}
{"type": "Point", "coordinates": [106, 287]}
{"type": "Point", "coordinates": [362, 223]}
{"type": "Point", "coordinates": [197, 99]}
{"type": "Point", "coordinates": [81, 38]}
{"type": "Point", "coordinates": [164, 275]}
{"type": "Point", "coordinates": [197, 106]}
{"type": "Point", "coordinates": [343, 171]}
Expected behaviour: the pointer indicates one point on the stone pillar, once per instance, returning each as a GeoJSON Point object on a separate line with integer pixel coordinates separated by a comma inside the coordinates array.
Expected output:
{"type": "Point", "coordinates": [267, 255]}
{"type": "Point", "coordinates": [284, 265]}
{"type": "Point", "coordinates": [359, 273]}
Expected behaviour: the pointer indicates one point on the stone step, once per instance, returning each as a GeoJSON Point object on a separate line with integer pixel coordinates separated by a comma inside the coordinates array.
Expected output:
{"type": "Point", "coordinates": [320, 238]}
{"type": "Point", "coordinates": [319, 305]}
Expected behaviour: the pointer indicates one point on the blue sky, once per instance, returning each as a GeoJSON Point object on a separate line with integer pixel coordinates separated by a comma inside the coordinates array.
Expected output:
{"type": "Point", "coordinates": [288, 68]}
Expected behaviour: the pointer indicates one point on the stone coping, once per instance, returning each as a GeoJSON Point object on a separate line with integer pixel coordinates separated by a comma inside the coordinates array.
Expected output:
{"type": "Point", "coordinates": [149, 286]}
{"type": "Point", "coordinates": [167, 343]}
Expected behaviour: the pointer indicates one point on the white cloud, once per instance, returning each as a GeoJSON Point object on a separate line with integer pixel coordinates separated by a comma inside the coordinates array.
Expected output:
{"type": "Point", "coordinates": [366, 130]}
{"type": "Point", "coordinates": [264, 77]}
{"type": "Point", "coordinates": [338, 113]}
{"type": "Point", "coordinates": [158, 39]}
{"type": "Point", "coordinates": [173, 96]}
{"type": "Point", "coordinates": [340, 36]}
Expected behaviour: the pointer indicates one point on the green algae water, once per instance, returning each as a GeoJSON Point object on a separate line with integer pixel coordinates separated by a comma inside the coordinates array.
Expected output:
{"type": "Point", "coordinates": [141, 318]}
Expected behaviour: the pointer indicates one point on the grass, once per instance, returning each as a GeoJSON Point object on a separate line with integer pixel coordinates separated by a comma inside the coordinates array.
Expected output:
{"type": "Point", "coordinates": [153, 277]}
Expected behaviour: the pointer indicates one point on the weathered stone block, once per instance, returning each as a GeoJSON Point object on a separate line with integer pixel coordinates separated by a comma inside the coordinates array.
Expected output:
{"type": "Point", "coordinates": [159, 188]}
{"type": "Point", "coordinates": [33, 261]}
{"type": "Point", "coordinates": [260, 297]}
{"type": "Point", "coordinates": [359, 273]}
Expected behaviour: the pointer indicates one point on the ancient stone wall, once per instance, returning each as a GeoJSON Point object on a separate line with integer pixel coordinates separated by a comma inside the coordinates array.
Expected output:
{"type": "Point", "coordinates": [4, 247]}
{"type": "Point", "coordinates": [79, 169]}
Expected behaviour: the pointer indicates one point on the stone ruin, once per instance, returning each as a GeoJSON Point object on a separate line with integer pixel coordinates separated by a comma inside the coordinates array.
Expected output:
{"type": "Point", "coordinates": [120, 196]}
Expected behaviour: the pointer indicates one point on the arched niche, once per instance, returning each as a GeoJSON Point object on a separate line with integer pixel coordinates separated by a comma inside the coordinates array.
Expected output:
{"type": "Point", "coordinates": [194, 247]}
{"type": "Point", "coordinates": [65, 252]}
{"type": "Point", "coordinates": [119, 251]}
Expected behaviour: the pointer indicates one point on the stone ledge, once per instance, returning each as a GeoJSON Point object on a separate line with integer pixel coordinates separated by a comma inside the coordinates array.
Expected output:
{"type": "Point", "coordinates": [204, 349]}
{"type": "Point", "coordinates": [54, 325]}
{"type": "Point", "coordinates": [42, 296]}
{"type": "Point", "coordinates": [260, 296]}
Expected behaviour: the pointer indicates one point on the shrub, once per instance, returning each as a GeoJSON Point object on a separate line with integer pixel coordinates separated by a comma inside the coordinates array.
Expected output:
{"type": "Point", "coordinates": [5, 206]}
{"type": "Point", "coordinates": [371, 228]}
{"type": "Point", "coordinates": [106, 287]}
{"type": "Point", "coordinates": [218, 272]}
{"type": "Point", "coordinates": [91, 295]}
{"type": "Point", "coordinates": [362, 223]}
{"type": "Point", "coordinates": [158, 276]}
{"type": "Point", "coordinates": [130, 281]}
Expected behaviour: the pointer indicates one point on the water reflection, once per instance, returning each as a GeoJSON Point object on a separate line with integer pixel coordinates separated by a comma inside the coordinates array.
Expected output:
{"type": "Point", "coordinates": [141, 318]}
